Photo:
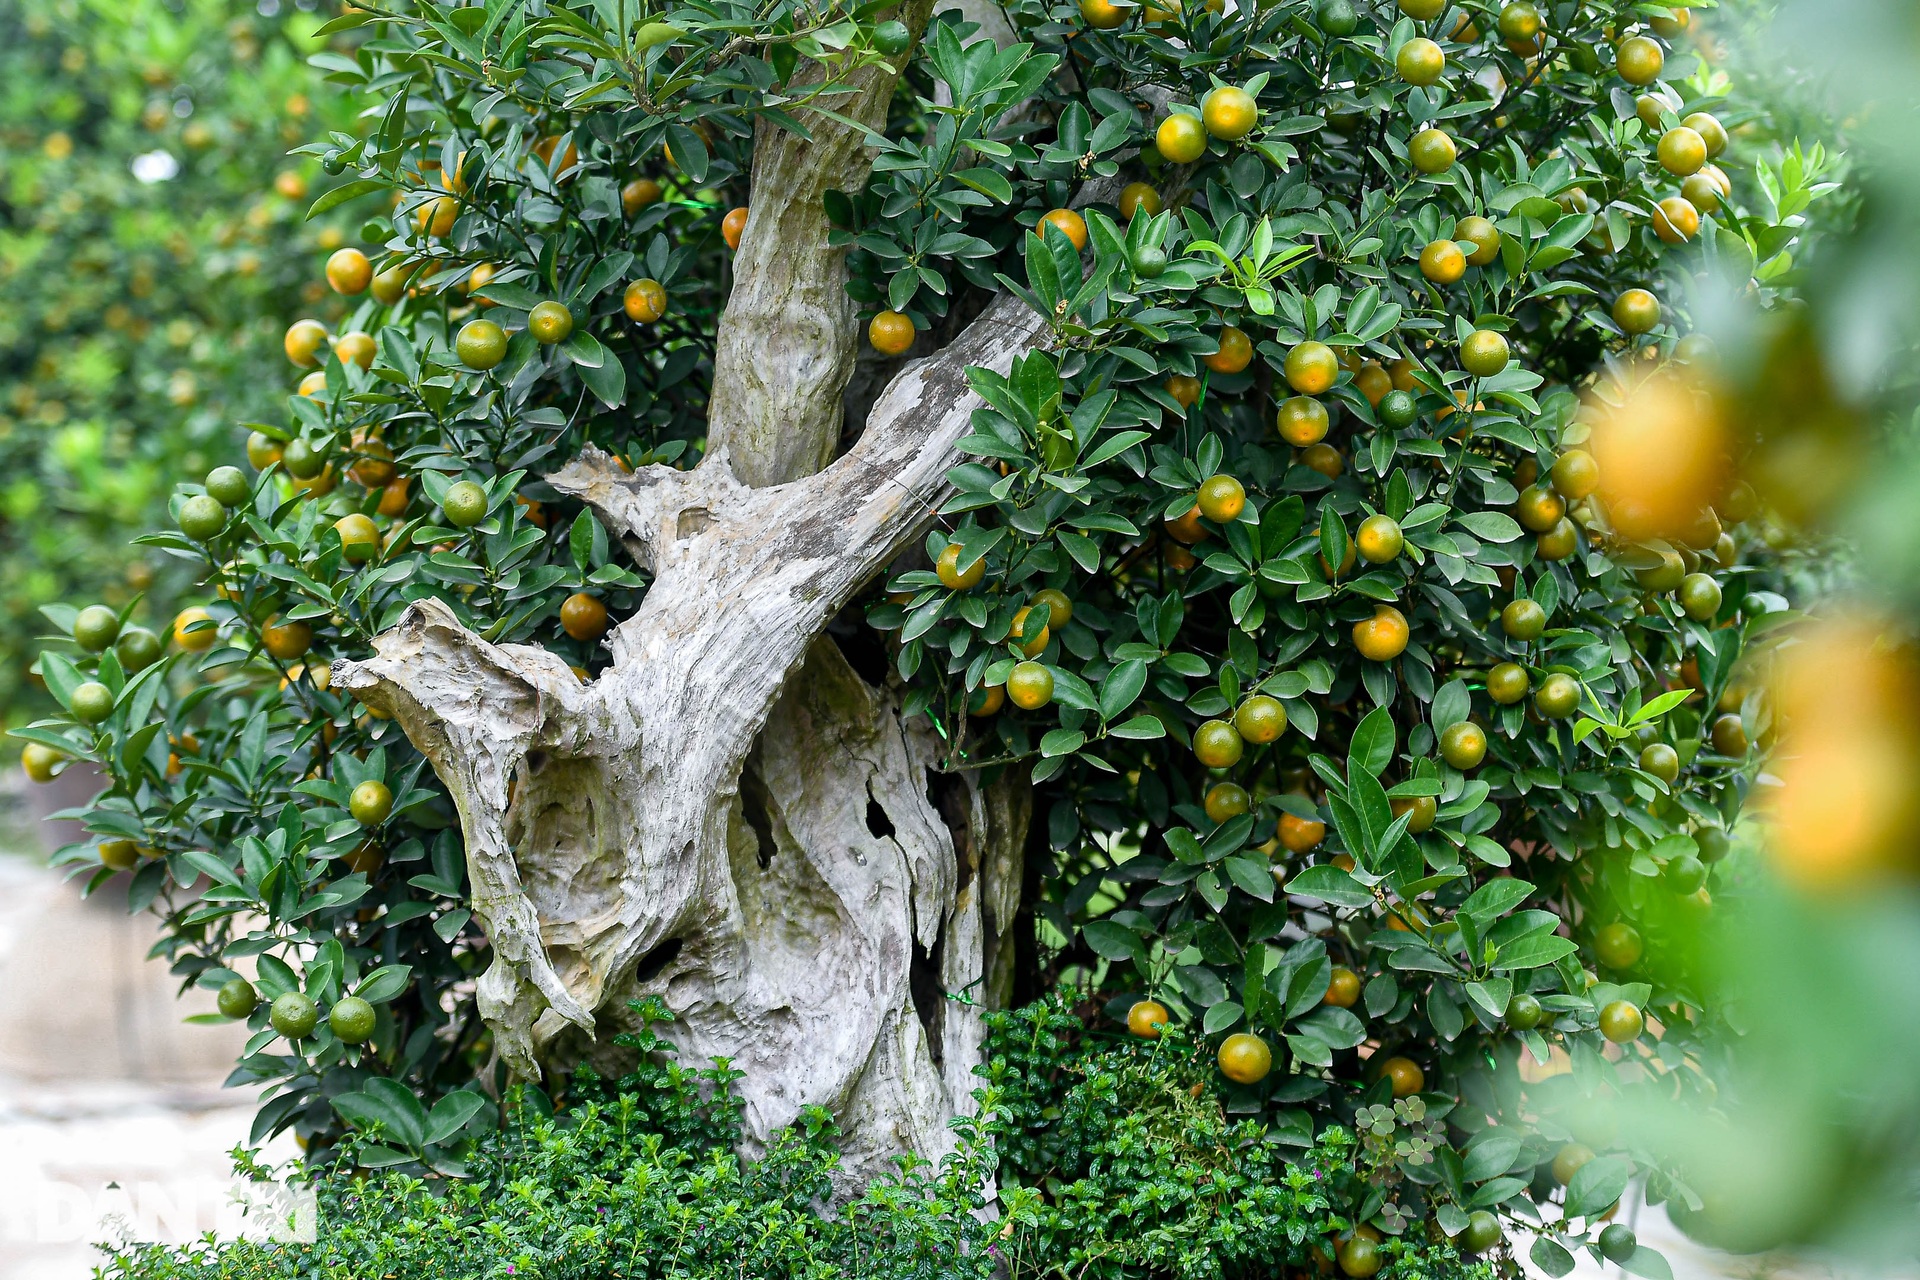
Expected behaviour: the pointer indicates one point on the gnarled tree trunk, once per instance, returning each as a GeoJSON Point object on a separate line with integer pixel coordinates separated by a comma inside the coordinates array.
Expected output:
{"type": "Point", "coordinates": [730, 816]}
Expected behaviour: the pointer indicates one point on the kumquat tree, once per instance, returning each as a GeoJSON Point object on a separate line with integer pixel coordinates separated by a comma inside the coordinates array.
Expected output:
{"type": "Point", "coordinates": [817, 526]}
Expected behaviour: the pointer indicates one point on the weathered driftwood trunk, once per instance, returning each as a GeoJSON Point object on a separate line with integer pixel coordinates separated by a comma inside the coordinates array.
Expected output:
{"type": "Point", "coordinates": [730, 816]}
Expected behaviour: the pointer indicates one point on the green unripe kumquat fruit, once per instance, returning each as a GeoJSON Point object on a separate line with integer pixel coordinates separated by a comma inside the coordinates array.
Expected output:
{"type": "Point", "coordinates": [1431, 151]}
{"type": "Point", "coordinates": [1507, 683]}
{"type": "Point", "coordinates": [1311, 368]}
{"type": "Point", "coordinates": [1682, 151]}
{"type": "Point", "coordinates": [1558, 696]}
{"type": "Point", "coordinates": [1685, 874]}
{"type": "Point", "coordinates": [465, 504]}
{"type": "Point", "coordinates": [1181, 138]}
{"type": "Point", "coordinates": [1443, 262]}
{"type": "Point", "coordinates": [550, 322]}
{"type": "Point", "coordinates": [40, 762]}
{"type": "Point", "coordinates": [1660, 760]}
{"type": "Point", "coordinates": [1575, 474]}
{"type": "Point", "coordinates": [1479, 237]}
{"type": "Point", "coordinates": [1618, 1243]}
{"type": "Point", "coordinates": [1260, 719]}
{"type": "Point", "coordinates": [237, 999]}
{"type": "Point", "coordinates": [1226, 801]}
{"type": "Point", "coordinates": [1245, 1058]}
{"type": "Point", "coordinates": [1229, 113]}
{"type": "Point", "coordinates": [228, 486]}
{"type": "Point", "coordinates": [1360, 1257]}
{"type": "Point", "coordinates": [293, 1015]}
{"type": "Point", "coordinates": [1343, 989]}
{"type": "Point", "coordinates": [1222, 498]}
{"type": "Point", "coordinates": [1569, 1160]}
{"type": "Point", "coordinates": [202, 517]}
{"type": "Point", "coordinates": [1484, 353]}
{"type": "Point", "coordinates": [1482, 1232]}
{"type": "Point", "coordinates": [359, 537]}
{"type": "Point", "coordinates": [1420, 61]}
{"type": "Point", "coordinates": [371, 803]}
{"type": "Point", "coordinates": [1379, 539]}
{"type": "Point", "coordinates": [1399, 410]}
{"type": "Point", "coordinates": [1463, 745]}
{"type": "Point", "coordinates": [480, 344]}
{"type": "Point", "coordinates": [95, 627]}
{"type": "Point", "coordinates": [1700, 596]}
{"type": "Point", "coordinates": [952, 576]}
{"type": "Point", "coordinates": [92, 702]}
{"type": "Point", "coordinates": [1618, 945]}
{"type": "Point", "coordinates": [1622, 1022]}
{"type": "Point", "coordinates": [1523, 620]}
{"type": "Point", "coordinates": [351, 1020]}
{"type": "Point", "coordinates": [138, 648]}
{"type": "Point", "coordinates": [1218, 745]}
{"type": "Point", "coordinates": [1636, 311]}
{"type": "Point", "coordinates": [1639, 60]}
{"type": "Point", "coordinates": [1030, 685]}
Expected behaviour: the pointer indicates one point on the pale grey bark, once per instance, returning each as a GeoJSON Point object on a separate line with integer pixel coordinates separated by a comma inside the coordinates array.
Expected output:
{"type": "Point", "coordinates": [787, 343]}
{"type": "Point", "coordinates": [618, 828]}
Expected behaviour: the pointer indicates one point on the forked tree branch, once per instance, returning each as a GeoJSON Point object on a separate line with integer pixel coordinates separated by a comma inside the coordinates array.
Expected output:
{"type": "Point", "coordinates": [604, 822]}
{"type": "Point", "coordinates": [586, 808]}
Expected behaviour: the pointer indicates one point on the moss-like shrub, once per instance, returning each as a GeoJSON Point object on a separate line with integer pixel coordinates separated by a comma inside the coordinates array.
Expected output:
{"type": "Point", "coordinates": [1088, 1158]}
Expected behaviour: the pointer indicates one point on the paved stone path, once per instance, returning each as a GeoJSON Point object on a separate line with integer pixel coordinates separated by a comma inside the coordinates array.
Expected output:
{"type": "Point", "coordinates": [111, 1107]}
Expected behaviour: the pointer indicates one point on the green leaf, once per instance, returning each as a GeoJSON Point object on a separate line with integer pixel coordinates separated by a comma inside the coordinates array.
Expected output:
{"type": "Point", "coordinates": [1532, 951]}
{"type": "Point", "coordinates": [1451, 705]}
{"type": "Point", "coordinates": [1333, 538]}
{"type": "Point", "coordinates": [1221, 1016]}
{"type": "Point", "coordinates": [1551, 1258]}
{"type": "Point", "coordinates": [211, 867]}
{"type": "Point", "coordinates": [1649, 1263]}
{"type": "Point", "coordinates": [1491, 995]}
{"type": "Point", "coordinates": [1371, 750]}
{"type": "Point", "coordinates": [1113, 447]}
{"type": "Point", "coordinates": [1660, 705]}
{"type": "Point", "coordinates": [584, 350]}
{"type": "Point", "coordinates": [346, 191]}
{"type": "Point", "coordinates": [1061, 742]}
{"type": "Point", "coordinates": [1491, 1154]}
{"type": "Point", "coordinates": [1330, 884]}
{"type": "Point", "coordinates": [1122, 685]}
{"type": "Point", "coordinates": [1489, 852]}
{"type": "Point", "coordinates": [384, 983]}
{"type": "Point", "coordinates": [1492, 526]}
{"type": "Point", "coordinates": [451, 1113]}
{"type": "Point", "coordinates": [1253, 877]}
{"type": "Point", "coordinates": [1142, 727]}
{"type": "Point", "coordinates": [1496, 897]}
{"type": "Point", "coordinates": [389, 1103]}
{"type": "Point", "coordinates": [1115, 942]}
{"type": "Point", "coordinates": [655, 33]}
{"type": "Point", "coordinates": [1334, 1027]}
{"type": "Point", "coordinates": [1498, 1191]}
{"type": "Point", "coordinates": [1597, 1185]}
{"type": "Point", "coordinates": [607, 381]}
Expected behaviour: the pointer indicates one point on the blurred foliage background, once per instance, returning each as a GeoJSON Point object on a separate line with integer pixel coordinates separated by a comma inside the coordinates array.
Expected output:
{"type": "Point", "coordinates": [1816, 1137]}
{"type": "Point", "coordinates": [151, 240]}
